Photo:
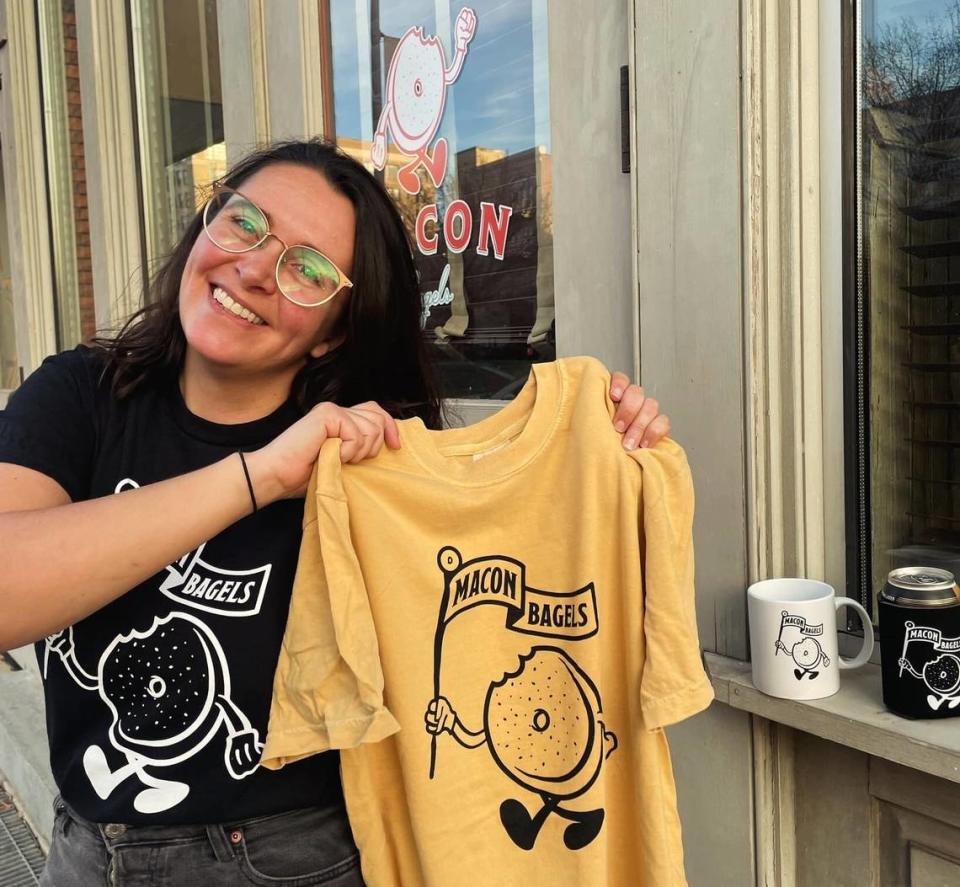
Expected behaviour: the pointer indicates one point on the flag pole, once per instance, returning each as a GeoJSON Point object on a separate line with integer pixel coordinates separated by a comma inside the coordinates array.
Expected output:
{"type": "Point", "coordinates": [449, 560]}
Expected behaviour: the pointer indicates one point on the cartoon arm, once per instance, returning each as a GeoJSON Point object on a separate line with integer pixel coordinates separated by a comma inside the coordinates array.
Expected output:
{"type": "Point", "coordinates": [61, 643]}
{"type": "Point", "coordinates": [905, 664]}
{"type": "Point", "coordinates": [441, 717]}
{"type": "Point", "coordinates": [243, 746]}
{"type": "Point", "coordinates": [826, 660]}
{"type": "Point", "coordinates": [378, 151]}
{"type": "Point", "coordinates": [465, 29]}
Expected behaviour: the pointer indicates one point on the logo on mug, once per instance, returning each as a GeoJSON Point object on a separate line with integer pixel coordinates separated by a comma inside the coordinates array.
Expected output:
{"type": "Point", "coordinates": [806, 652]}
{"type": "Point", "coordinates": [941, 673]}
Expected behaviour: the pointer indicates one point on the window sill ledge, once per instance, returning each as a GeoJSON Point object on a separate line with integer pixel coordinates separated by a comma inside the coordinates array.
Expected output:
{"type": "Point", "coordinates": [854, 717]}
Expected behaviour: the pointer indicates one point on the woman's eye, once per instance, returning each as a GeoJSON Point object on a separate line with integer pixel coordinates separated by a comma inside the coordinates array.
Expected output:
{"type": "Point", "coordinates": [306, 271]}
{"type": "Point", "coordinates": [244, 224]}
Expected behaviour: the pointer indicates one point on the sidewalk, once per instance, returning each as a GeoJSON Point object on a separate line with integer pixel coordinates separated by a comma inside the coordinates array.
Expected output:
{"type": "Point", "coordinates": [24, 754]}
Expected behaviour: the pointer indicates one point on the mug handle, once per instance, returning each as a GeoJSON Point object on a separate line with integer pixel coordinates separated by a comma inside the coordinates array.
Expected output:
{"type": "Point", "coordinates": [864, 655]}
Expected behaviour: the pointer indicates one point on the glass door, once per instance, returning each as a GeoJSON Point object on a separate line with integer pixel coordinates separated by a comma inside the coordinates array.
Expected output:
{"type": "Point", "coordinates": [452, 106]}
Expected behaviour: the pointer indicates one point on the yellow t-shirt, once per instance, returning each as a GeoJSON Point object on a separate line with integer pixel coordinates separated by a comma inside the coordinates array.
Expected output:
{"type": "Point", "coordinates": [495, 623]}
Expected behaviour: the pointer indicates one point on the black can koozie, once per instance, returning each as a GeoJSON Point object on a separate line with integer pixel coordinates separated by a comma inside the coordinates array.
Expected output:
{"type": "Point", "coordinates": [920, 643]}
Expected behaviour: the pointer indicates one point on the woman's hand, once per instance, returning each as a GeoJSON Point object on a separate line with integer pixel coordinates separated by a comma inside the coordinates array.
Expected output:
{"type": "Point", "coordinates": [282, 469]}
{"type": "Point", "coordinates": [638, 417]}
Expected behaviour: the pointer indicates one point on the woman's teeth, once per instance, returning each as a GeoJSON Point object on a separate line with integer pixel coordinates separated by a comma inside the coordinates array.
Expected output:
{"type": "Point", "coordinates": [235, 307]}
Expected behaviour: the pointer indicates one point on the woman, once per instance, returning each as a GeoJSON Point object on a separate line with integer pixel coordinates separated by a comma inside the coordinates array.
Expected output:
{"type": "Point", "coordinates": [151, 496]}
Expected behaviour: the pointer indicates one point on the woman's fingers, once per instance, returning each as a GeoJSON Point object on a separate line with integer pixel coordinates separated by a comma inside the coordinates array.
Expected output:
{"type": "Point", "coordinates": [657, 429]}
{"type": "Point", "coordinates": [648, 410]}
{"type": "Point", "coordinates": [360, 429]}
{"type": "Point", "coordinates": [373, 411]}
{"type": "Point", "coordinates": [618, 384]}
{"type": "Point", "coordinates": [632, 401]}
{"type": "Point", "coordinates": [360, 437]}
{"type": "Point", "coordinates": [637, 416]}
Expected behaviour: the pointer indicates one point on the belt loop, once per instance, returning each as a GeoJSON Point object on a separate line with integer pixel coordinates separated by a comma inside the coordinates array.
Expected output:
{"type": "Point", "coordinates": [218, 841]}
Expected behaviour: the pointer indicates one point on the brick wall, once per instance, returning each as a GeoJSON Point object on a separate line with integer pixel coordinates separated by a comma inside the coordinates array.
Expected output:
{"type": "Point", "coordinates": [79, 171]}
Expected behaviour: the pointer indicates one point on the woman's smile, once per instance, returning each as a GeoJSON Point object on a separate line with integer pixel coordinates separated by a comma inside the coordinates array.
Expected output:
{"type": "Point", "coordinates": [235, 309]}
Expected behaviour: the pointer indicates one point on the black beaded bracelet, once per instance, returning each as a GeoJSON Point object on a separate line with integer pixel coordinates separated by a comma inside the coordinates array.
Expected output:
{"type": "Point", "coordinates": [246, 474]}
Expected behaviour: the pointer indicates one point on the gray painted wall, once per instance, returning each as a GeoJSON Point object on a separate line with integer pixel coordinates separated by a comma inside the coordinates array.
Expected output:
{"type": "Point", "coordinates": [688, 214]}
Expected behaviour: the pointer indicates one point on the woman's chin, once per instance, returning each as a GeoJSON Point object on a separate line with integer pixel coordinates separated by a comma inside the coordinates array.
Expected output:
{"type": "Point", "coordinates": [217, 351]}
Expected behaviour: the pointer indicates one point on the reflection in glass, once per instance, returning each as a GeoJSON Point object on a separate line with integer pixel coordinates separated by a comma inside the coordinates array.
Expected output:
{"type": "Point", "coordinates": [909, 164]}
{"type": "Point", "coordinates": [448, 105]}
{"type": "Point", "coordinates": [179, 112]}
{"type": "Point", "coordinates": [9, 363]}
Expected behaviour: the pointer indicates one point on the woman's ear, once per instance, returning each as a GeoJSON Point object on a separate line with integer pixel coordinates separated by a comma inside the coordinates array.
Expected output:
{"type": "Point", "coordinates": [327, 345]}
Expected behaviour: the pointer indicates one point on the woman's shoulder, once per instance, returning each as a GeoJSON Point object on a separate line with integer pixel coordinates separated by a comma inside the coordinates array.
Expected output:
{"type": "Point", "coordinates": [80, 372]}
{"type": "Point", "coordinates": [80, 359]}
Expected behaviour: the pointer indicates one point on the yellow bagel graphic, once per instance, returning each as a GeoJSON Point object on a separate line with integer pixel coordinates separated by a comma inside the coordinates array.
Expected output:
{"type": "Point", "coordinates": [542, 724]}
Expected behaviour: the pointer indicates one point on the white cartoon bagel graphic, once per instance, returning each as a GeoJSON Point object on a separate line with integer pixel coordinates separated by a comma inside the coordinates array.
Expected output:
{"type": "Point", "coordinates": [160, 685]}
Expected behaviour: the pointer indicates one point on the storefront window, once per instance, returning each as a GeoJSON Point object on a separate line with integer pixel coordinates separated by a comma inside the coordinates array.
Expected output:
{"type": "Point", "coordinates": [906, 328]}
{"type": "Point", "coordinates": [66, 172]}
{"type": "Point", "coordinates": [449, 106]}
{"type": "Point", "coordinates": [179, 113]}
{"type": "Point", "coordinates": [9, 362]}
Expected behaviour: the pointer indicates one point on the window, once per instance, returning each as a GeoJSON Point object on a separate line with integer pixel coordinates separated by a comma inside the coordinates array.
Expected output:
{"type": "Point", "coordinates": [458, 129]}
{"type": "Point", "coordinates": [9, 359]}
{"type": "Point", "coordinates": [66, 172]}
{"type": "Point", "coordinates": [903, 335]}
{"type": "Point", "coordinates": [179, 112]}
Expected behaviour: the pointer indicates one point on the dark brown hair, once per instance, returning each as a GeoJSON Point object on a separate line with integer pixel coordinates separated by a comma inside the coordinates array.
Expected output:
{"type": "Point", "coordinates": [383, 358]}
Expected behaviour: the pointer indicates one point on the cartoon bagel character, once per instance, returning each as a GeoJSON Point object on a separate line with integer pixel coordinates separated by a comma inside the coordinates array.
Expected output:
{"type": "Point", "coordinates": [942, 677]}
{"type": "Point", "coordinates": [415, 96]}
{"type": "Point", "coordinates": [543, 726]}
{"type": "Point", "coordinates": [168, 690]}
{"type": "Point", "coordinates": [808, 655]}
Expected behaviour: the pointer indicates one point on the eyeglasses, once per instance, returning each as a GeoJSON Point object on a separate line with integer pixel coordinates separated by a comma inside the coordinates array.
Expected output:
{"type": "Point", "coordinates": [305, 276]}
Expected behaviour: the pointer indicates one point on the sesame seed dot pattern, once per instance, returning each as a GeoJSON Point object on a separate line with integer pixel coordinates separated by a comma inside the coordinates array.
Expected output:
{"type": "Point", "coordinates": [554, 727]}
{"type": "Point", "coordinates": [148, 706]}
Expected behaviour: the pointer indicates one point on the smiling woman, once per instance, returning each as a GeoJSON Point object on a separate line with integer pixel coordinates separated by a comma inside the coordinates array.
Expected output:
{"type": "Point", "coordinates": [151, 504]}
{"type": "Point", "coordinates": [120, 457]}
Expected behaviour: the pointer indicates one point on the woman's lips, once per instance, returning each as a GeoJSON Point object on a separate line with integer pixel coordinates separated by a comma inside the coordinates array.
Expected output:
{"type": "Point", "coordinates": [222, 309]}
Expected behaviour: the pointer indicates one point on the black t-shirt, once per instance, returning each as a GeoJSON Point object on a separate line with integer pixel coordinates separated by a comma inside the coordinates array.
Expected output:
{"type": "Point", "coordinates": [157, 704]}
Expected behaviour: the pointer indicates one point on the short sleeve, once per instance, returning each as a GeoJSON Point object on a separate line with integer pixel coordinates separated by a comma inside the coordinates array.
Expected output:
{"type": "Point", "coordinates": [328, 686]}
{"type": "Point", "coordinates": [673, 685]}
{"type": "Point", "coordinates": [49, 423]}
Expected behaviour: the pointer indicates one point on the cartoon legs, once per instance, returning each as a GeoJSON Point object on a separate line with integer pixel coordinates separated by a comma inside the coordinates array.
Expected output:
{"type": "Point", "coordinates": [159, 795]}
{"type": "Point", "coordinates": [435, 165]}
{"type": "Point", "coordinates": [524, 828]}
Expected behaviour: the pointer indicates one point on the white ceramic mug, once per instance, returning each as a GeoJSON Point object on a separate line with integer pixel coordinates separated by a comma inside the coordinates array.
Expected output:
{"type": "Point", "coordinates": [793, 638]}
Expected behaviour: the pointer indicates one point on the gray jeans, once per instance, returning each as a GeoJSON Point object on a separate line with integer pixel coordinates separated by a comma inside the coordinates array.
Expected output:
{"type": "Point", "coordinates": [295, 849]}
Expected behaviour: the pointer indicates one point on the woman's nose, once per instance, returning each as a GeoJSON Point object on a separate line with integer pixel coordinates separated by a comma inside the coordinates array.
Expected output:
{"type": "Point", "coordinates": [258, 267]}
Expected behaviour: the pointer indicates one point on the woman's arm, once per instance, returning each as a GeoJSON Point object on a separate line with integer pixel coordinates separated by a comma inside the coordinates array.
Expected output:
{"type": "Point", "coordinates": [64, 560]}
